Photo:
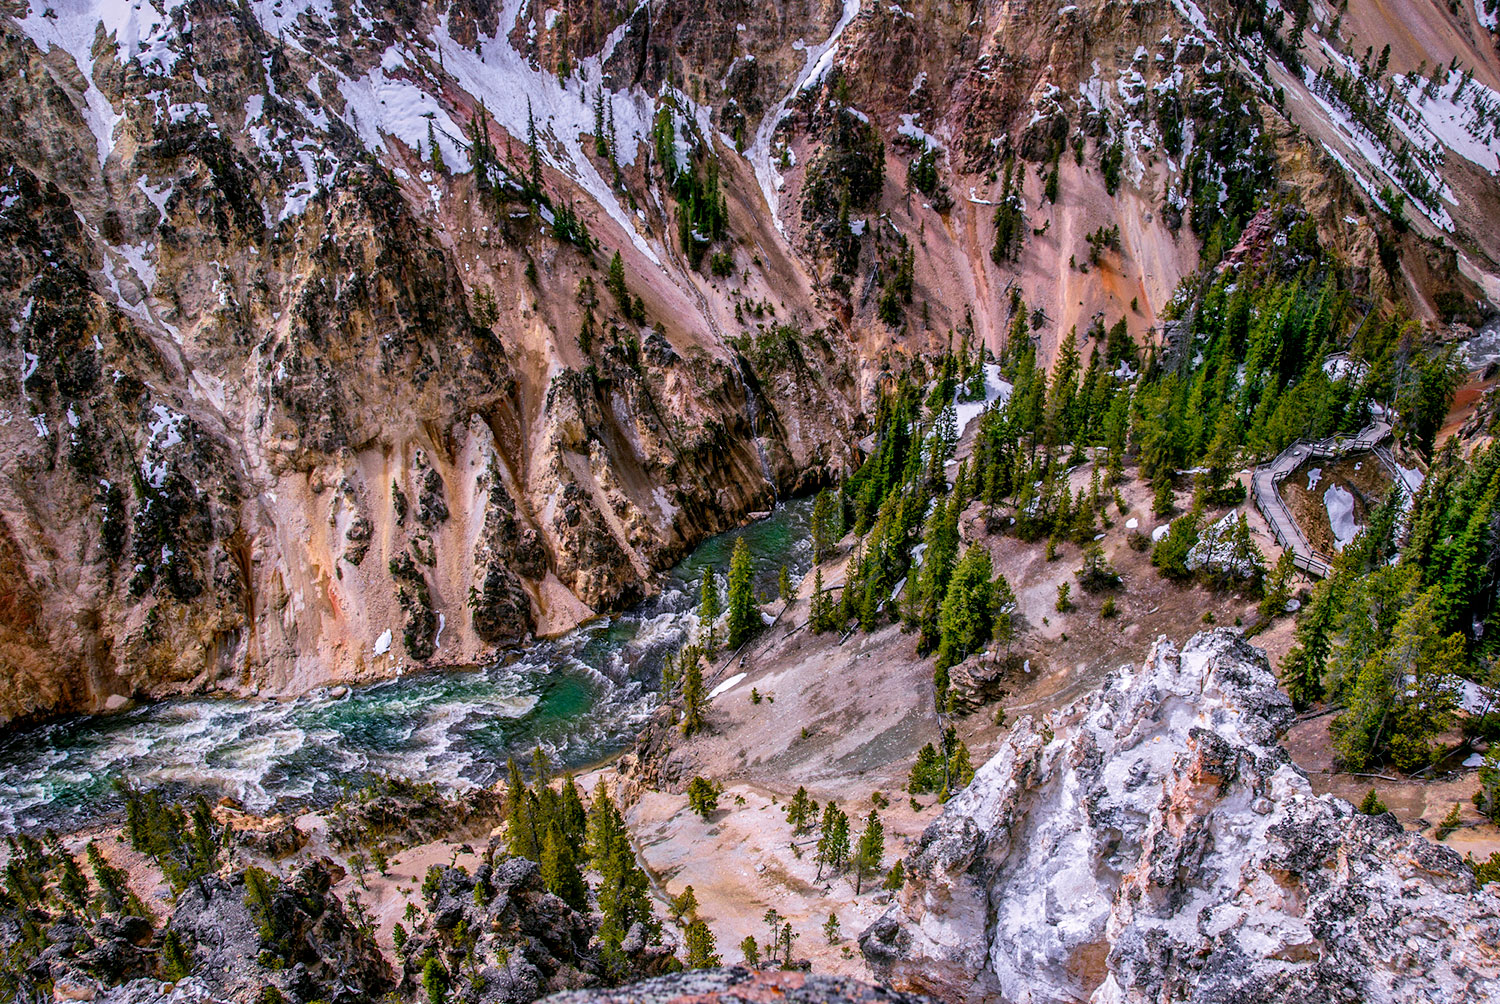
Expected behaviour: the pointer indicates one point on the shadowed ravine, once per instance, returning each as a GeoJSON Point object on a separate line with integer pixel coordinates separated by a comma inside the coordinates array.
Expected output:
{"type": "Point", "coordinates": [581, 696]}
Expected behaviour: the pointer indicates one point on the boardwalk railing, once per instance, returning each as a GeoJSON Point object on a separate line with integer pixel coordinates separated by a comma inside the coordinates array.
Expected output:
{"type": "Point", "coordinates": [1266, 481]}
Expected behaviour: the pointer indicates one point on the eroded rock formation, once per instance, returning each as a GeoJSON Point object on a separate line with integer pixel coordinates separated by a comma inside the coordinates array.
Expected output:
{"type": "Point", "coordinates": [1153, 841]}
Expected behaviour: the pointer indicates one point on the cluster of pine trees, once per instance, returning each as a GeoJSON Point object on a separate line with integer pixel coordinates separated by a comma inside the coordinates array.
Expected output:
{"type": "Point", "coordinates": [47, 895]}
{"type": "Point", "coordinates": [1408, 612]}
{"type": "Point", "coordinates": [836, 849]}
{"type": "Point", "coordinates": [702, 209]}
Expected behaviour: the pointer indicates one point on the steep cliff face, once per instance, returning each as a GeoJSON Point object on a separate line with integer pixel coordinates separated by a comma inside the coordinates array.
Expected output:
{"type": "Point", "coordinates": [320, 367]}
{"type": "Point", "coordinates": [292, 404]}
{"type": "Point", "coordinates": [1154, 842]}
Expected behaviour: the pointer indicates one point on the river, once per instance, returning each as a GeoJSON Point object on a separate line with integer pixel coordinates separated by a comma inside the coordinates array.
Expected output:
{"type": "Point", "coordinates": [582, 696]}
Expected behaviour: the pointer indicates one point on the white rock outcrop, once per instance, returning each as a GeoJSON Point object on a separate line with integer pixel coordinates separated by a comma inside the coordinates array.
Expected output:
{"type": "Point", "coordinates": [1154, 842]}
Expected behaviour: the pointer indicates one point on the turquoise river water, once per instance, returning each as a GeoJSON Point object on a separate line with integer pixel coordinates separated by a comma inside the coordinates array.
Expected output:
{"type": "Point", "coordinates": [582, 696]}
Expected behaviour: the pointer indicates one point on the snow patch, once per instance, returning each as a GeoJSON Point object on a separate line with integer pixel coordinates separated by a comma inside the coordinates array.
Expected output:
{"type": "Point", "coordinates": [1339, 502]}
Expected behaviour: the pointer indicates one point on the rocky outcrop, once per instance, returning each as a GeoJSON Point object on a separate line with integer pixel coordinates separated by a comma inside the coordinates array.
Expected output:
{"type": "Point", "coordinates": [738, 985]}
{"type": "Point", "coordinates": [1153, 841]}
{"type": "Point", "coordinates": [511, 941]}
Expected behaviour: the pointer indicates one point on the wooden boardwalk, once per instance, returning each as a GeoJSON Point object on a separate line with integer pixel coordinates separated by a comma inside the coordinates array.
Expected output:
{"type": "Point", "coordinates": [1268, 500]}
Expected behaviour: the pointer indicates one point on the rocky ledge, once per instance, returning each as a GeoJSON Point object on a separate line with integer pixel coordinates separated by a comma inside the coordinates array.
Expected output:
{"type": "Point", "coordinates": [1154, 841]}
{"type": "Point", "coordinates": [738, 985]}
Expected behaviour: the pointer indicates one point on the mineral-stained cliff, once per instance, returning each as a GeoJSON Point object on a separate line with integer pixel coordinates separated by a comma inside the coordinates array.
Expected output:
{"type": "Point", "coordinates": [289, 403]}
{"type": "Point", "coordinates": [1154, 842]}
{"type": "Point", "coordinates": [315, 365]}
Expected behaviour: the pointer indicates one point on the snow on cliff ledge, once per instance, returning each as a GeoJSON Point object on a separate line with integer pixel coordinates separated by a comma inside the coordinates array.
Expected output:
{"type": "Point", "coordinates": [1153, 841]}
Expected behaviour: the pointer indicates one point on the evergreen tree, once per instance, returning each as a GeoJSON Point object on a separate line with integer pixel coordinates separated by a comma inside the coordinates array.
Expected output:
{"type": "Point", "coordinates": [801, 811]}
{"type": "Point", "coordinates": [869, 850]}
{"type": "Point", "coordinates": [744, 615]}
{"type": "Point", "coordinates": [692, 695]}
{"type": "Point", "coordinates": [938, 560]}
{"type": "Point", "coordinates": [823, 613]}
{"type": "Point", "coordinates": [434, 151]}
{"type": "Point", "coordinates": [616, 283]}
{"type": "Point", "coordinates": [523, 836]}
{"type": "Point", "coordinates": [560, 870]}
{"type": "Point", "coordinates": [572, 817]}
{"type": "Point", "coordinates": [827, 524]}
{"type": "Point", "coordinates": [623, 889]}
{"type": "Point", "coordinates": [966, 620]}
{"type": "Point", "coordinates": [703, 797]}
{"type": "Point", "coordinates": [708, 606]}
{"type": "Point", "coordinates": [784, 585]}
{"type": "Point", "coordinates": [833, 841]}
{"type": "Point", "coordinates": [700, 946]}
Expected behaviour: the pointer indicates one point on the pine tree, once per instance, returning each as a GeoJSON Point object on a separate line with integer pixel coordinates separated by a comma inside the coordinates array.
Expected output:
{"type": "Point", "coordinates": [623, 889]}
{"type": "Point", "coordinates": [967, 618]}
{"type": "Point", "coordinates": [616, 283]}
{"type": "Point", "coordinates": [869, 850]}
{"type": "Point", "coordinates": [744, 615]}
{"type": "Point", "coordinates": [700, 946]}
{"type": "Point", "coordinates": [521, 831]}
{"type": "Point", "coordinates": [708, 606]}
{"type": "Point", "coordinates": [823, 612]}
{"type": "Point", "coordinates": [896, 877]}
{"type": "Point", "coordinates": [801, 811]}
{"type": "Point", "coordinates": [703, 797]}
{"type": "Point", "coordinates": [831, 929]}
{"type": "Point", "coordinates": [784, 585]}
{"type": "Point", "coordinates": [434, 150]}
{"type": "Point", "coordinates": [938, 561]}
{"type": "Point", "coordinates": [560, 870]}
{"type": "Point", "coordinates": [750, 950]}
{"type": "Point", "coordinates": [684, 906]}
{"type": "Point", "coordinates": [833, 841]}
{"type": "Point", "coordinates": [827, 523]}
{"type": "Point", "coordinates": [572, 817]}
{"type": "Point", "coordinates": [692, 695]}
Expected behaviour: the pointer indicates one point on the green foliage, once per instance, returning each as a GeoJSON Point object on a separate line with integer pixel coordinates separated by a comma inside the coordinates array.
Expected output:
{"type": "Point", "coordinates": [801, 811]}
{"type": "Point", "coordinates": [833, 839]}
{"type": "Point", "coordinates": [823, 614]}
{"type": "Point", "coordinates": [849, 168]}
{"type": "Point", "coordinates": [1449, 823]}
{"type": "Point", "coordinates": [709, 606]}
{"type": "Point", "coordinates": [966, 621]}
{"type": "Point", "coordinates": [869, 850]}
{"type": "Point", "coordinates": [1372, 805]}
{"type": "Point", "coordinates": [623, 892]}
{"type": "Point", "coordinates": [1010, 219]}
{"type": "Point", "coordinates": [703, 796]}
{"type": "Point", "coordinates": [434, 981]}
{"type": "Point", "coordinates": [744, 613]}
{"type": "Point", "coordinates": [750, 950]}
{"type": "Point", "coordinates": [684, 906]}
{"type": "Point", "coordinates": [1171, 552]}
{"type": "Point", "coordinates": [922, 174]}
{"type": "Point", "coordinates": [185, 845]}
{"type": "Point", "coordinates": [1487, 796]}
{"type": "Point", "coordinates": [699, 941]}
{"type": "Point", "coordinates": [176, 959]}
{"type": "Point", "coordinates": [895, 878]}
{"type": "Point", "coordinates": [693, 698]}
{"type": "Point", "coordinates": [941, 773]}
{"type": "Point", "coordinates": [560, 872]}
{"type": "Point", "coordinates": [827, 524]}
